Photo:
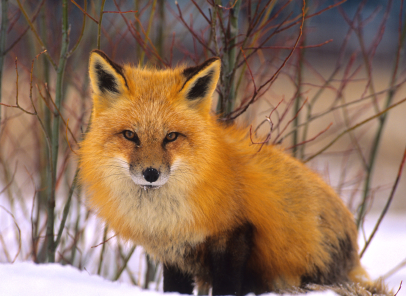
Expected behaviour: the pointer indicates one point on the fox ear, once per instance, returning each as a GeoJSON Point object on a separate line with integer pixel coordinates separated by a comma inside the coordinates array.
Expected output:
{"type": "Point", "coordinates": [107, 78]}
{"type": "Point", "coordinates": [201, 82]}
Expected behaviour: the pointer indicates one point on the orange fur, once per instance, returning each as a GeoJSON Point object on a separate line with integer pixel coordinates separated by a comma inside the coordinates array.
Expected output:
{"type": "Point", "coordinates": [217, 180]}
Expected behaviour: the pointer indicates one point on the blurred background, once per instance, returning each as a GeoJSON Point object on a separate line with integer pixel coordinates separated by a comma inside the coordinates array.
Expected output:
{"type": "Point", "coordinates": [325, 80]}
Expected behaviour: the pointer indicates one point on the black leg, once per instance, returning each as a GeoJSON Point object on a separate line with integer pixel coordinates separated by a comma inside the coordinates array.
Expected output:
{"type": "Point", "coordinates": [177, 281]}
{"type": "Point", "coordinates": [226, 277]}
{"type": "Point", "coordinates": [228, 267]}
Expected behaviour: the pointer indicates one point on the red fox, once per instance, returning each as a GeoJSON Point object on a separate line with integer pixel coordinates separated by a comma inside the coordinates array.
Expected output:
{"type": "Point", "coordinates": [164, 173]}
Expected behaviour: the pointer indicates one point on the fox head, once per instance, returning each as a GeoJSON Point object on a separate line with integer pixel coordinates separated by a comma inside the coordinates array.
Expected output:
{"type": "Point", "coordinates": [147, 123]}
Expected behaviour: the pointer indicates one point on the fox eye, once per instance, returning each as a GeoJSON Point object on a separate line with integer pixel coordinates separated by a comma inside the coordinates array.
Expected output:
{"type": "Point", "coordinates": [171, 137]}
{"type": "Point", "coordinates": [131, 136]}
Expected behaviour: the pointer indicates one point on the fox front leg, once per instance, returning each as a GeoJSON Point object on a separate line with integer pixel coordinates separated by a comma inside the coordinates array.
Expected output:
{"type": "Point", "coordinates": [228, 266]}
{"type": "Point", "coordinates": [177, 281]}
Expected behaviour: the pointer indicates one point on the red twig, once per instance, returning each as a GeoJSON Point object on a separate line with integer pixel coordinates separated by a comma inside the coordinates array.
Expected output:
{"type": "Point", "coordinates": [263, 142]}
{"type": "Point", "coordinates": [201, 12]}
{"type": "Point", "coordinates": [284, 114]}
{"type": "Point", "coordinates": [268, 119]}
{"type": "Point", "coordinates": [249, 69]}
{"type": "Point", "coordinates": [84, 12]}
{"type": "Point", "coordinates": [192, 31]}
{"type": "Point", "coordinates": [67, 138]}
{"type": "Point", "coordinates": [25, 30]}
{"type": "Point", "coordinates": [274, 109]}
{"type": "Point", "coordinates": [291, 120]}
{"type": "Point", "coordinates": [290, 47]}
{"type": "Point", "coordinates": [312, 139]}
{"type": "Point", "coordinates": [120, 12]}
{"type": "Point", "coordinates": [378, 38]}
{"type": "Point", "coordinates": [13, 19]}
{"type": "Point", "coordinates": [104, 241]}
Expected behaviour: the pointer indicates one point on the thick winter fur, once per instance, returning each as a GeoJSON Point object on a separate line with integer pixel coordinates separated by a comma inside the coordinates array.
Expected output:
{"type": "Point", "coordinates": [198, 196]}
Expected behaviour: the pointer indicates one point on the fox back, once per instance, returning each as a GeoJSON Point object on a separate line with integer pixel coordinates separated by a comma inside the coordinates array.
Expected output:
{"type": "Point", "coordinates": [161, 170]}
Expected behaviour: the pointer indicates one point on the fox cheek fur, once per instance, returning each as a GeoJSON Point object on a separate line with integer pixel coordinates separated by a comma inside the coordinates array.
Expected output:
{"type": "Point", "coordinates": [214, 210]}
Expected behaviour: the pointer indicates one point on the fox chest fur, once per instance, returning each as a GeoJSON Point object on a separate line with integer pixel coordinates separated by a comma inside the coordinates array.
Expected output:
{"type": "Point", "coordinates": [198, 196]}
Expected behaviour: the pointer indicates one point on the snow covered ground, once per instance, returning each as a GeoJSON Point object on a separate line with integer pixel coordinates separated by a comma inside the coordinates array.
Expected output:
{"type": "Point", "coordinates": [26, 278]}
{"type": "Point", "coordinates": [387, 250]}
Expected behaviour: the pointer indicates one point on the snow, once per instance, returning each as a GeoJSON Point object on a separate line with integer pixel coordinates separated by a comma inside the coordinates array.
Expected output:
{"type": "Point", "coordinates": [387, 249]}
{"type": "Point", "coordinates": [27, 278]}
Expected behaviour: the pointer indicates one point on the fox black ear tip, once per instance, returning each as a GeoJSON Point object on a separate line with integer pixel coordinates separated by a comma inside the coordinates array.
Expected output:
{"type": "Point", "coordinates": [98, 52]}
{"type": "Point", "coordinates": [95, 51]}
{"type": "Point", "coordinates": [214, 59]}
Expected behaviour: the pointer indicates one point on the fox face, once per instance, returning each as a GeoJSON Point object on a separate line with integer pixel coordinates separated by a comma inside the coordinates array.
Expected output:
{"type": "Point", "coordinates": [144, 115]}
{"type": "Point", "coordinates": [150, 153]}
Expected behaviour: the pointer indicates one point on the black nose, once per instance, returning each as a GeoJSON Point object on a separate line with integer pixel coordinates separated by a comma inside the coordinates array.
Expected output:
{"type": "Point", "coordinates": [151, 174]}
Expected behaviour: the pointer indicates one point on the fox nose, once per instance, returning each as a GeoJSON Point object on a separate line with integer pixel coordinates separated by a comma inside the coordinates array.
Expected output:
{"type": "Point", "coordinates": [151, 174]}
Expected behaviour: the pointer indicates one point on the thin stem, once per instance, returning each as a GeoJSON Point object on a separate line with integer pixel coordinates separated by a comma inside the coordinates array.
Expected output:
{"type": "Point", "coordinates": [66, 209]}
{"type": "Point", "coordinates": [231, 56]}
{"type": "Point", "coordinates": [219, 108]}
{"type": "Point", "coordinates": [102, 250]}
{"type": "Point", "coordinates": [388, 202]}
{"type": "Point", "coordinates": [45, 153]}
{"type": "Point", "coordinates": [137, 26]}
{"type": "Point", "coordinates": [81, 32]}
{"type": "Point", "coordinates": [100, 24]}
{"type": "Point", "coordinates": [55, 134]}
{"type": "Point", "coordinates": [298, 104]}
{"type": "Point", "coordinates": [4, 21]}
{"type": "Point", "coordinates": [151, 18]}
{"type": "Point", "coordinates": [161, 26]}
